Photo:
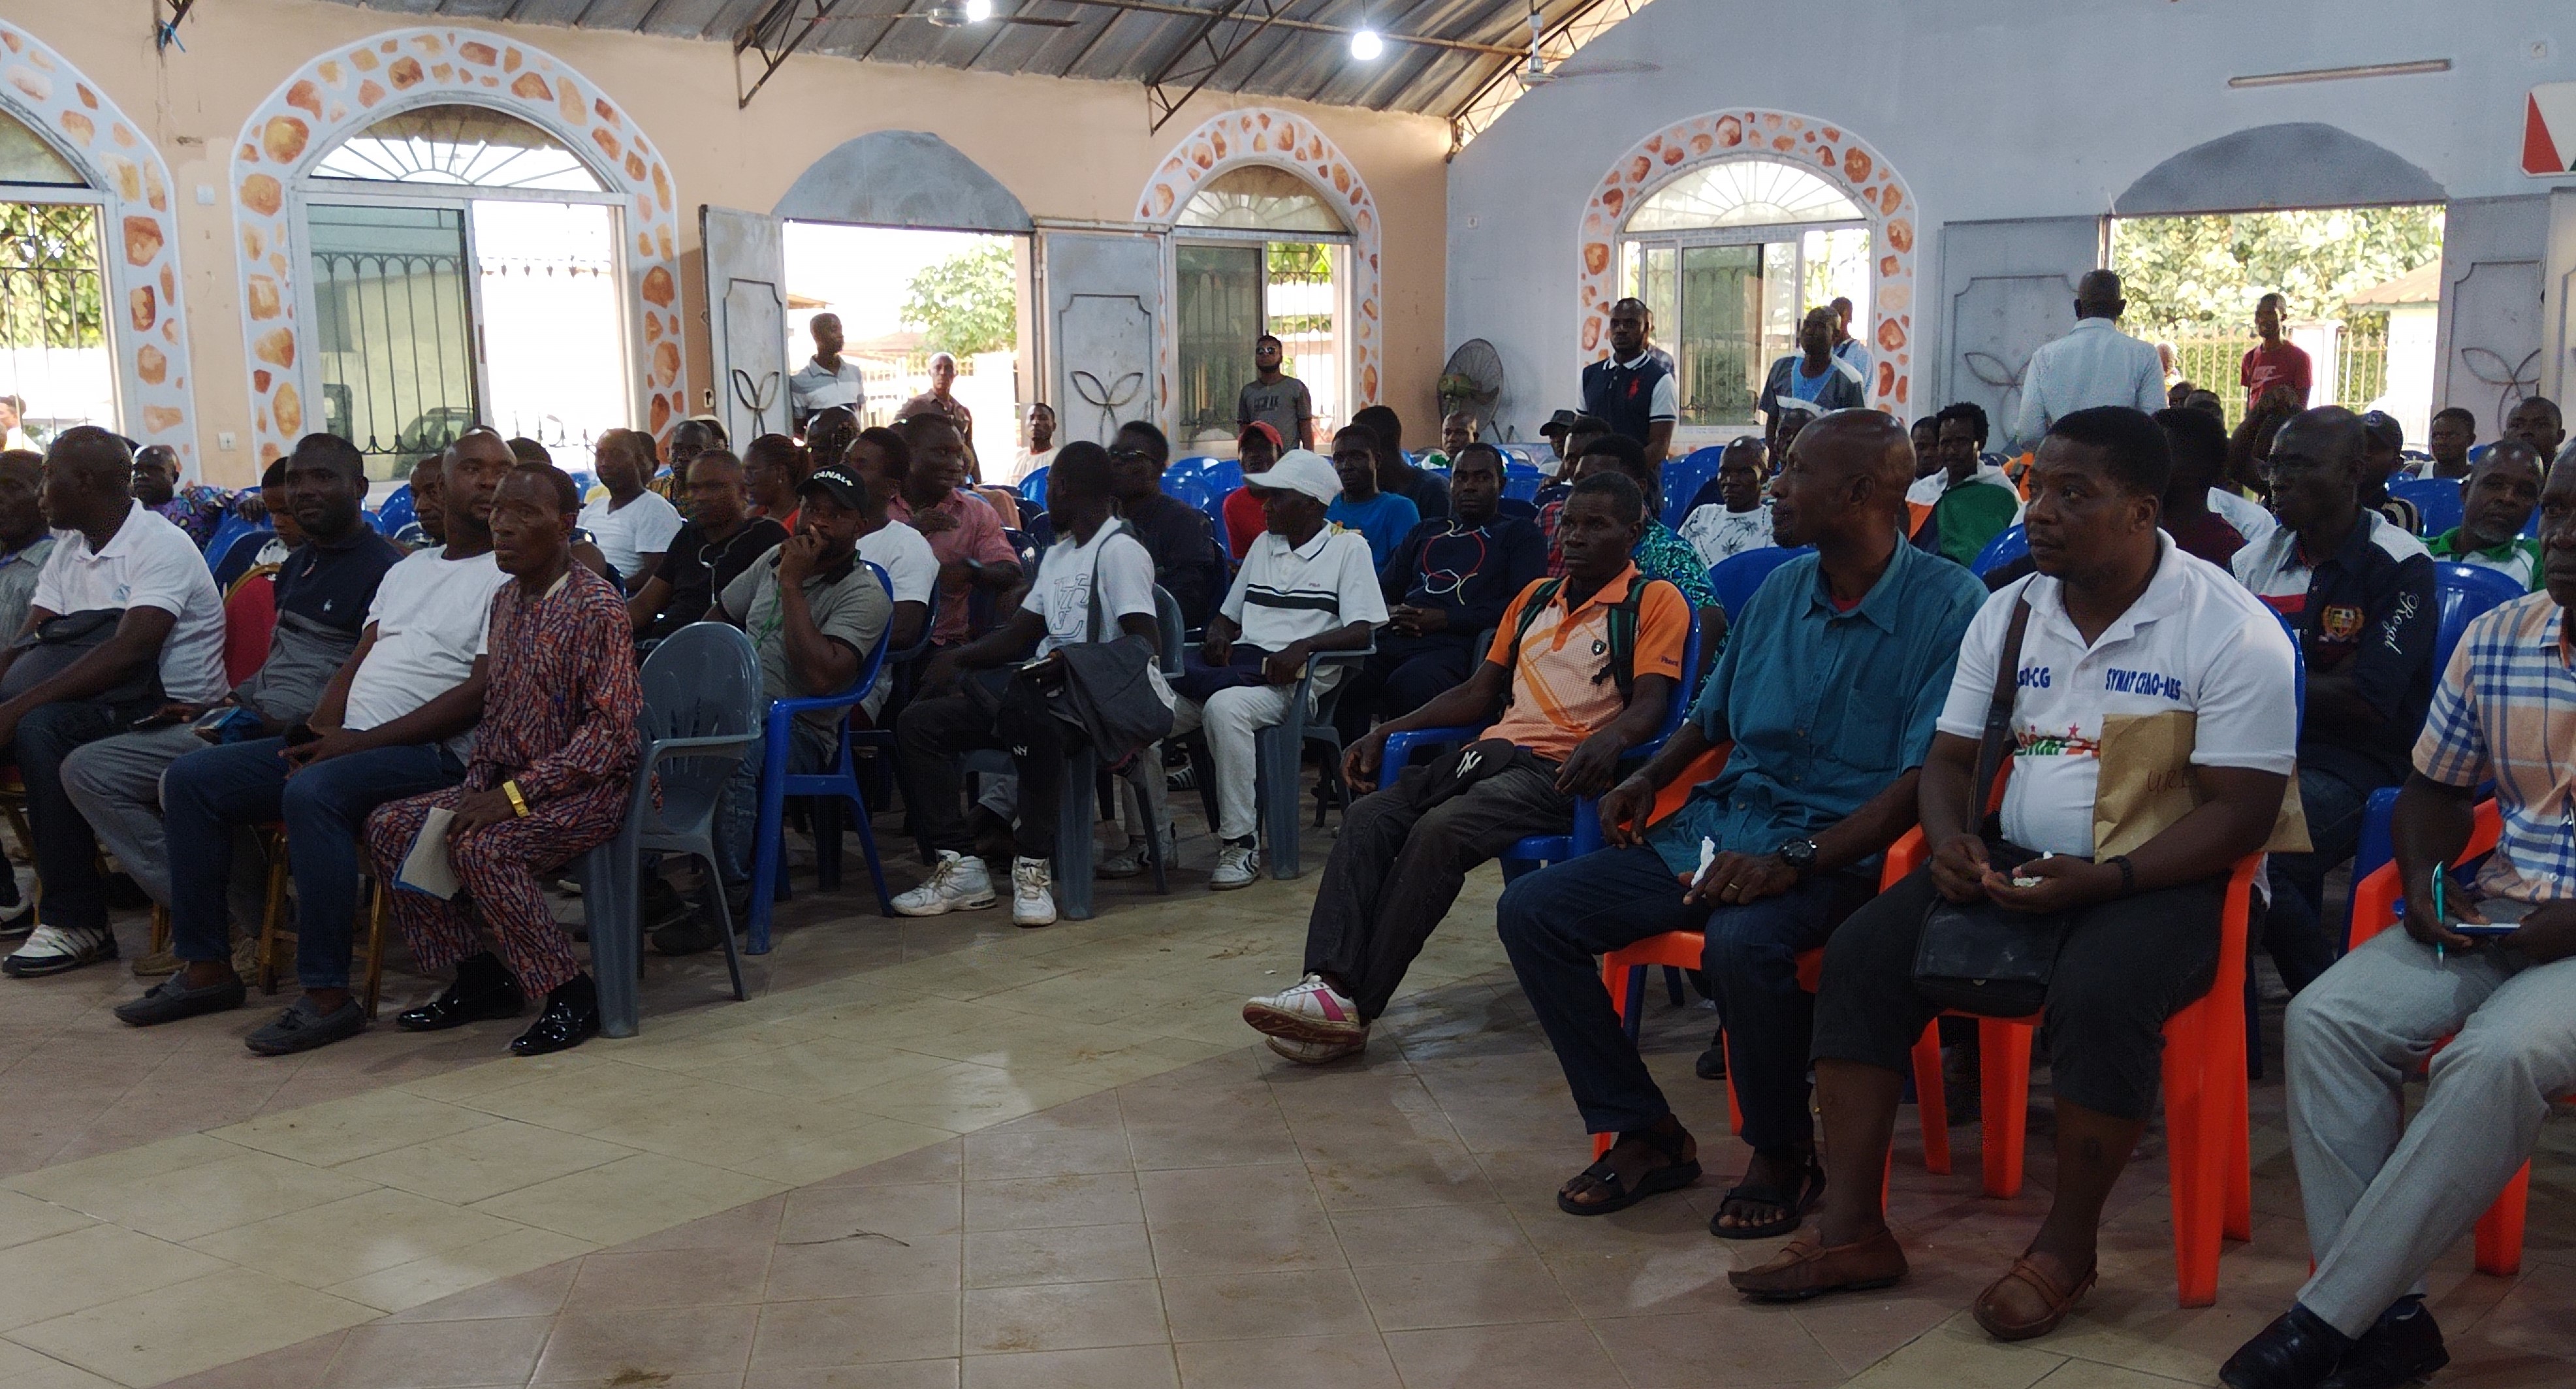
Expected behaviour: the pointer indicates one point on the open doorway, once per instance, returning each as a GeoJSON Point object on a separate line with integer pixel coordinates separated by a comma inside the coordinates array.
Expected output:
{"type": "Point", "coordinates": [1257, 252]}
{"type": "Point", "coordinates": [904, 296]}
{"type": "Point", "coordinates": [2360, 291]}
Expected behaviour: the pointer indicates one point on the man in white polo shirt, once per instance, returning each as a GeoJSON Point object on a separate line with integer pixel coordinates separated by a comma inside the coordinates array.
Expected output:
{"type": "Point", "coordinates": [154, 634]}
{"type": "Point", "coordinates": [1305, 587]}
{"type": "Point", "coordinates": [632, 524]}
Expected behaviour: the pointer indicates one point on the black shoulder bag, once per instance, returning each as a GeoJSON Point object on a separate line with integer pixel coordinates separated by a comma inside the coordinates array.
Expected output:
{"type": "Point", "coordinates": [1979, 957]}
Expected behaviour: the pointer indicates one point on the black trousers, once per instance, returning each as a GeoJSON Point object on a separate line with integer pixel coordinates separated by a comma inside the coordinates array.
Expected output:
{"type": "Point", "coordinates": [1404, 674]}
{"type": "Point", "coordinates": [2125, 967]}
{"type": "Point", "coordinates": [930, 734]}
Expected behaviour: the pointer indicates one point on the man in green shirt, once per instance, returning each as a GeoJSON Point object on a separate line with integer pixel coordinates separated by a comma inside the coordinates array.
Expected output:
{"type": "Point", "coordinates": [2502, 489]}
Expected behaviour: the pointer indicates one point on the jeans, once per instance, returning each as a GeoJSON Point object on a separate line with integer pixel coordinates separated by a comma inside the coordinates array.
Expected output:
{"type": "Point", "coordinates": [2294, 929]}
{"type": "Point", "coordinates": [1556, 922]}
{"type": "Point", "coordinates": [206, 795]}
{"type": "Point", "coordinates": [116, 783]}
{"type": "Point", "coordinates": [66, 850]}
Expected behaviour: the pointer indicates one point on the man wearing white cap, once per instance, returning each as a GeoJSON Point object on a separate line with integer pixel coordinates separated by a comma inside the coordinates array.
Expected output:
{"type": "Point", "coordinates": [1305, 587]}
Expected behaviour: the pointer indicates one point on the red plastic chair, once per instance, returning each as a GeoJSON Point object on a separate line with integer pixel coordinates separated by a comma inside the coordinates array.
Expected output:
{"type": "Point", "coordinates": [2374, 909]}
{"type": "Point", "coordinates": [250, 619]}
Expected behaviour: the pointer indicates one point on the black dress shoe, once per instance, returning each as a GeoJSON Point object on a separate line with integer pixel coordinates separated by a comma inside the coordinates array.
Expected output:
{"type": "Point", "coordinates": [172, 999]}
{"type": "Point", "coordinates": [2402, 1347]}
{"type": "Point", "coordinates": [570, 1019]}
{"type": "Point", "coordinates": [2297, 1351]}
{"type": "Point", "coordinates": [1711, 1064]}
{"type": "Point", "coordinates": [483, 989]}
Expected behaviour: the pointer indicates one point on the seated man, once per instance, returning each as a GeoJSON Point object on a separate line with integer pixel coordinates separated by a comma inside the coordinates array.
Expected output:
{"type": "Point", "coordinates": [286, 535]}
{"type": "Point", "coordinates": [1095, 567]}
{"type": "Point", "coordinates": [1255, 452]}
{"type": "Point", "coordinates": [1396, 474]}
{"type": "Point", "coordinates": [709, 550]}
{"type": "Point", "coordinates": [1739, 520]}
{"type": "Point", "coordinates": [323, 591]}
{"type": "Point", "coordinates": [2454, 432]}
{"type": "Point", "coordinates": [1827, 690]}
{"type": "Point", "coordinates": [881, 460]}
{"type": "Point", "coordinates": [1306, 587]}
{"type": "Point", "coordinates": [394, 720]}
{"type": "Point", "coordinates": [773, 467]}
{"type": "Point", "coordinates": [1558, 729]}
{"type": "Point", "coordinates": [2360, 592]}
{"type": "Point", "coordinates": [2383, 453]}
{"type": "Point", "coordinates": [2134, 902]}
{"type": "Point", "coordinates": [552, 770]}
{"type": "Point", "coordinates": [25, 543]}
{"type": "Point", "coordinates": [2496, 501]}
{"type": "Point", "coordinates": [1661, 553]}
{"type": "Point", "coordinates": [1381, 518]}
{"type": "Point", "coordinates": [813, 613]}
{"type": "Point", "coordinates": [963, 529]}
{"type": "Point", "coordinates": [1448, 583]}
{"type": "Point", "coordinates": [145, 628]}
{"type": "Point", "coordinates": [2486, 965]}
{"type": "Point", "coordinates": [1969, 501]}
{"type": "Point", "coordinates": [2198, 445]}
{"type": "Point", "coordinates": [1175, 533]}
{"type": "Point", "coordinates": [632, 525]}
{"type": "Point", "coordinates": [197, 510]}
{"type": "Point", "coordinates": [428, 528]}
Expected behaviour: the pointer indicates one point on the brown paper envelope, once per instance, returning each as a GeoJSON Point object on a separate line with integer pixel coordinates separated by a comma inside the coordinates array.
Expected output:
{"type": "Point", "coordinates": [2147, 784]}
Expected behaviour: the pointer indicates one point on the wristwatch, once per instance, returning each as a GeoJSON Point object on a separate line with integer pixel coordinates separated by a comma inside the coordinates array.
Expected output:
{"type": "Point", "coordinates": [1798, 853]}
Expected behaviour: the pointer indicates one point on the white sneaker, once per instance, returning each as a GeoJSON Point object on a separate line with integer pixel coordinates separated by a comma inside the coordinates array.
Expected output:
{"type": "Point", "coordinates": [1315, 1053]}
{"type": "Point", "coordinates": [1125, 863]}
{"type": "Point", "coordinates": [1032, 898]}
{"type": "Point", "coordinates": [1236, 866]}
{"type": "Point", "coordinates": [55, 949]}
{"type": "Point", "coordinates": [958, 884]}
{"type": "Point", "coordinates": [1313, 1011]}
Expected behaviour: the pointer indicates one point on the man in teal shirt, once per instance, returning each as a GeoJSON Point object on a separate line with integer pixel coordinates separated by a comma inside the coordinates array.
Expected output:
{"type": "Point", "coordinates": [1829, 690]}
{"type": "Point", "coordinates": [1383, 518]}
{"type": "Point", "coordinates": [2502, 491]}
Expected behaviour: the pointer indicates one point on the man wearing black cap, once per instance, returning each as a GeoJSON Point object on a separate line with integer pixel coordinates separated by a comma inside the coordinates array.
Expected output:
{"type": "Point", "coordinates": [2382, 454]}
{"type": "Point", "coordinates": [1554, 431]}
{"type": "Point", "coordinates": [813, 613]}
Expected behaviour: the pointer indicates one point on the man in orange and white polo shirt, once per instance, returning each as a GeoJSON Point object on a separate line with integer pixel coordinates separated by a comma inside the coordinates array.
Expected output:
{"type": "Point", "coordinates": [1581, 670]}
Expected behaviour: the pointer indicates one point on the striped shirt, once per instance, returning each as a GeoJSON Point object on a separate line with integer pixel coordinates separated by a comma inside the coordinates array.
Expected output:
{"type": "Point", "coordinates": [2506, 709]}
{"type": "Point", "coordinates": [1289, 593]}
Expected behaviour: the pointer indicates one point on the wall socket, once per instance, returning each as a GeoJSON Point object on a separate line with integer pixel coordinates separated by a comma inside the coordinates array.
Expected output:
{"type": "Point", "coordinates": [224, 440]}
{"type": "Point", "coordinates": [2537, 50]}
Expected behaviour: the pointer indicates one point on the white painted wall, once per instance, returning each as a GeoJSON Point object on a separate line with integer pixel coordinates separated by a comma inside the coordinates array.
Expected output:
{"type": "Point", "coordinates": [1988, 109]}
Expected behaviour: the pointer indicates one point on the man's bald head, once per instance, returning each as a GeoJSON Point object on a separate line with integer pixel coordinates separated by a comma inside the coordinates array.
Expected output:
{"type": "Point", "coordinates": [2097, 295]}
{"type": "Point", "coordinates": [2329, 432]}
{"type": "Point", "coordinates": [1846, 476]}
{"type": "Point", "coordinates": [2506, 454]}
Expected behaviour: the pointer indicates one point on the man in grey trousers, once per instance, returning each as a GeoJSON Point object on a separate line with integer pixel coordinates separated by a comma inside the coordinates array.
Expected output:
{"type": "Point", "coordinates": [2490, 966]}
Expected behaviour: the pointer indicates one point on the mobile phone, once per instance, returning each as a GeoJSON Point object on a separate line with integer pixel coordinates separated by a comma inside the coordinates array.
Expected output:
{"type": "Point", "coordinates": [155, 720]}
{"type": "Point", "coordinates": [2503, 917]}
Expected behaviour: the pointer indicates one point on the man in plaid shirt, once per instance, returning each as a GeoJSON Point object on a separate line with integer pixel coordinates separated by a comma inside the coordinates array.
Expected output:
{"type": "Point", "coordinates": [2490, 964]}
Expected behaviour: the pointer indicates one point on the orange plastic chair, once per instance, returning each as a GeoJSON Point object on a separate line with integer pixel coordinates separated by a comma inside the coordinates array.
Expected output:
{"type": "Point", "coordinates": [2374, 909]}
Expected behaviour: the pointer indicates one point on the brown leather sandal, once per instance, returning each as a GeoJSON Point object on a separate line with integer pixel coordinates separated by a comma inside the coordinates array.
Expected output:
{"type": "Point", "coordinates": [1806, 1268]}
{"type": "Point", "coordinates": [2003, 1310]}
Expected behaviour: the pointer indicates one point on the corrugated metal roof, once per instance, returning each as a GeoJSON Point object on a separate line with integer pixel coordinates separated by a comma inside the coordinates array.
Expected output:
{"type": "Point", "coordinates": [1477, 42]}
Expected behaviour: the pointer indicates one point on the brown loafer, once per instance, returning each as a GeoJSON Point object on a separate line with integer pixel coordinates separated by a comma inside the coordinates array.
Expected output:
{"type": "Point", "coordinates": [2026, 1302]}
{"type": "Point", "coordinates": [1807, 1268]}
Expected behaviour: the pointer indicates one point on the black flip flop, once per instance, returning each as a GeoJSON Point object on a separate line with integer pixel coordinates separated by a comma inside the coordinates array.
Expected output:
{"type": "Point", "coordinates": [1811, 1191]}
{"type": "Point", "coordinates": [1679, 1173]}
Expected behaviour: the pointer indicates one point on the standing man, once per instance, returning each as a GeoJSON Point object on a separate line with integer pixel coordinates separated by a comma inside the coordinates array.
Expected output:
{"type": "Point", "coordinates": [631, 525]}
{"type": "Point", "coordinates": [1969, 501]}
{"type": "Point", "coordinates": [1382, 518]}
{"type": "Point", "coordinates": [554, 763]}
{"type": "Point", "coordinates": [717, 543]}
{"type": "Point", "coordinates": [2274, 361]}
{"type": "Point", "coordinates": [395, 720]}
{"type": "Point", "coordinates": [1846, 347]}
{"type": "Point", "coordinates": [2454, 431]}
{"type": "Point", "coordinates": [2360, 592]}
{"type": "Point", "coordinates": [941, 400]}
{"type": "Point", "coordinates": [13, 425]}
{"type": "Point", "coordinates": [2502, 490]}
{"type": "Point", "coordinates": [1175, 533]}
{"type": "Point", "coordinates": [2094, 364]}
{"type": "Point", "coordinates": [963, 529]}
{"type": "Point", "coordinates": [1633, 389]}
{"type": "Point", "coordinates": [155, 634]}
{"type": "Point", "coordinates": [1828, 691]}
{"type": "Point", "coordinates": [1812, 377]}
{"type": "Point", "coordinates": [827, 380]}
{"type": "Point", "coordinates": [1276, 399]}
{"type": "Point", "coordinates": [1041, 450]}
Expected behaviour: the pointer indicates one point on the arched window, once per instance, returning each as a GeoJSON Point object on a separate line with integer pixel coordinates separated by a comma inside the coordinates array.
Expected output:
{"type": "Point", "coordinates": [465, 267]}
{"type": "Point", "coordinates": [27, 158]}
{"type": "Point", "coordinates": [1727, 257]}
{"type": "Point", "coordinates": [1256, 251]}
{"type": "Point", "coordinates": [55, 349]}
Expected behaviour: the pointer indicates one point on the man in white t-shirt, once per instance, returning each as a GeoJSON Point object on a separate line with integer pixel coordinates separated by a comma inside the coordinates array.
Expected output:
{"type": "Point", "coordinates": [1096, 583]}
{"type": "Point", "coordinates": [882, 460]}
{"type": "Point", "coordinates": [1306, 587]}
{"type": "Point", "coordinates": [1740, 520]}
{"type": "Point", "coordinates": [632, 525]}
{"type": "Point", "coordinates": [395, 721]}
{"type": "Point", "coordinates": [829, 378]}
{"type": "Point", "coordinates": [2136, 663]}
{"type": "Point", "coordinates": [141, 626]}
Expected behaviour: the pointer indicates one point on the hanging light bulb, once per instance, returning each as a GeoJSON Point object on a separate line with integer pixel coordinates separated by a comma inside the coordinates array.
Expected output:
{"type": "Point", "coordinates": [1366, 45]}
{"type": "Point", "coordinates": [977, 11]}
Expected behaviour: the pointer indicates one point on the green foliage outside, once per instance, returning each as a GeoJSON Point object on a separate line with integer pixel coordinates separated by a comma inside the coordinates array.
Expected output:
{"type": "Point", "coordinates": [50, 282]}
{"type": "Point", "coordinates": [2199, 276]}
{"type": "Point", "coordinates": [967, 303]}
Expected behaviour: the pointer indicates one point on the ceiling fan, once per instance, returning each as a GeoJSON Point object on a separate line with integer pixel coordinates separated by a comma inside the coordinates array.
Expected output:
{"type": "Point", "coordinates": [957, 14]}
{"type": "Point", "coordinates": [1539, 70]}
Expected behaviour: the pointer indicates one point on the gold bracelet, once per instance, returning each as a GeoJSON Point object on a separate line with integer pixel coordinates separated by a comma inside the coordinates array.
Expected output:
{"type": "Point", "coordinates": [517, 802]}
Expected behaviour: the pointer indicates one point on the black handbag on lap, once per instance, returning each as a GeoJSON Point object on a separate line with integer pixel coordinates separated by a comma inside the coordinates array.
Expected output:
{"type": "Point", "coordinates": [1979, 957]}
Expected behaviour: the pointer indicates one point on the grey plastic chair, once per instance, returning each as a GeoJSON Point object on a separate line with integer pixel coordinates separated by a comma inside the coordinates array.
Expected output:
{"type": "Point", "coordinates": [702, 710]}
{"type": "Point", "coordinates": [1278, 753]}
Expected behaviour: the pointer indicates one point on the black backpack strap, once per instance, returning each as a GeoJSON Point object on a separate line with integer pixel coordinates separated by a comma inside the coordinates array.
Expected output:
{"type": "Point", "coordinates": [1537, 603]}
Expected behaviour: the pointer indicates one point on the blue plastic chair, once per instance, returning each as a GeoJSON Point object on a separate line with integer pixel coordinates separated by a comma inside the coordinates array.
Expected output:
{"type": "Point", "coordinates": [396, 513]}
{"type": "Point", "coordinates": [219, 547]}
{"type": "Point", "coordinates": [1033, 488]}
{"type": "Point", "coordinates": [1520, 480]}
{"type": "Point", "coordinates": [1683, 477]}
{"type": "Point", "coordinates": [701, 714]}
{"type": "Point", "coordinates": [2437, 501]}
{"type": "Point", "coordinates": [769, 874]}
{"type": "Point", "coordinates": [227, 530]}
{"type": "Point", "coordinates": [2011, 545]}
{"type": "Point", "coordinates": [1734, 578]}
{"type": "Point", "coordinates": [1223, 474]}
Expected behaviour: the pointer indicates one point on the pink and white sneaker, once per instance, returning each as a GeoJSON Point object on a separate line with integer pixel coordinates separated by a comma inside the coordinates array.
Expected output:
{"type": "Point", "coordinates": [1314, 1053]}
{"type": "Point", "coordinates": [1313, 1011]}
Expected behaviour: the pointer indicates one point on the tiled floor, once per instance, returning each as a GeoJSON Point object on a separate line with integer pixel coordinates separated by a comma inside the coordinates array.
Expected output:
{"type": "Point", "coordinates": [950, 1153]}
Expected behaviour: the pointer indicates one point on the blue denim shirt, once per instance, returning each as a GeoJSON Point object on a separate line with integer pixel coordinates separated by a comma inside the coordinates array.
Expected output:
{"type": "Point", "coordinates": [1826, 708]}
